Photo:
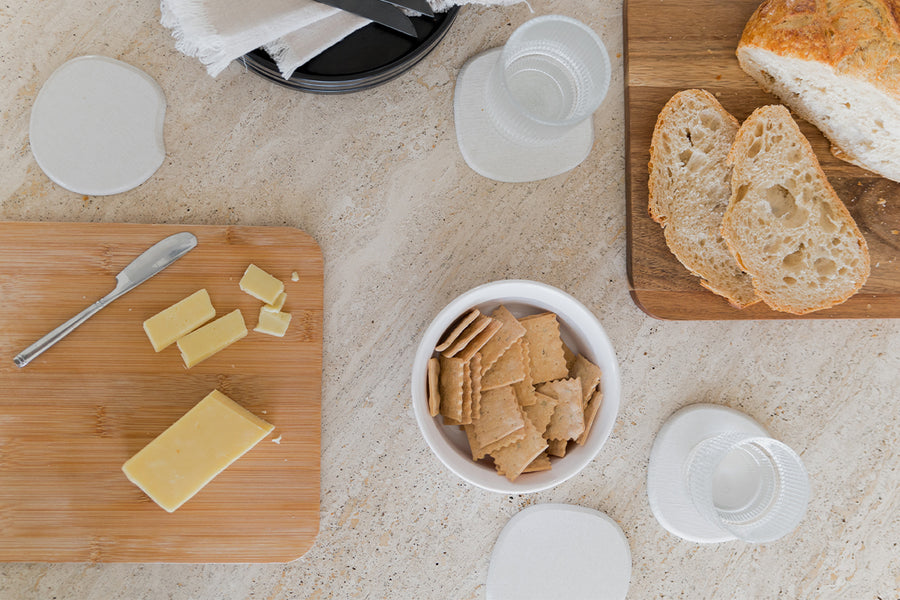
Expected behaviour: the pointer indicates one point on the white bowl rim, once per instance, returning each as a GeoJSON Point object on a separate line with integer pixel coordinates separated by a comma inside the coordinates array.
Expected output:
{"type": "Point", "coordinates": [568, 309]}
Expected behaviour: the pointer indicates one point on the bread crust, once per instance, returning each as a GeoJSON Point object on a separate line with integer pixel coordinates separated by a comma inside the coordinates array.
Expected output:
{"type": "Point", "coordinates": [857, 38]}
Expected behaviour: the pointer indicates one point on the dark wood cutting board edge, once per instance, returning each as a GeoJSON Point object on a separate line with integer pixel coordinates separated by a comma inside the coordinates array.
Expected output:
{"type": "Point", "coordinates": [670, 46]}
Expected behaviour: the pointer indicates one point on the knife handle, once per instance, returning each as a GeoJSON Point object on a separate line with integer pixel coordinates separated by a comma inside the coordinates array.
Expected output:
{"type": "Point", "coordinates": [38, 348]}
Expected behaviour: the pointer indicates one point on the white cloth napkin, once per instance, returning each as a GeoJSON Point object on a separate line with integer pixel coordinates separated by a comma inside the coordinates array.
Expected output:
{"type": "Point", "coordinates": [291, 31]}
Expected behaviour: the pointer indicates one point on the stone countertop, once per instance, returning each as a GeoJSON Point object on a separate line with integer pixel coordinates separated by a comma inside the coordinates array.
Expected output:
{"type": "Point", "coordinates": [377, 179]}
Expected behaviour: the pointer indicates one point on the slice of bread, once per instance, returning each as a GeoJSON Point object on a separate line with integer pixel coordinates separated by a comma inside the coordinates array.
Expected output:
{"type": "Point", "coordinates": [689, 190]}
{"type": "Point", "coordinates": [785, 224]}
{"type": "Point", "coordinates": [836, 63]}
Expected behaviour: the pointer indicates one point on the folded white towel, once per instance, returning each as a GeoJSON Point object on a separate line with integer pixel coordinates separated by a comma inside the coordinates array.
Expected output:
{"type": "Point", "coordinates": [292, 31]}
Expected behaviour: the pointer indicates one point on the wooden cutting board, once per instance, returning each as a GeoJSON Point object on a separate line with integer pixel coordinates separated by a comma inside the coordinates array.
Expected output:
{"type": "Point", "coordinates": [70, 419]}
{"type": "Point", "coordinates": [671, 45]}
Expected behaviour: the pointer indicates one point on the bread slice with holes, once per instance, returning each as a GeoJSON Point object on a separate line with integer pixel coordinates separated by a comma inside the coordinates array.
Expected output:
{"type": "Point", "coordinates": [836, 63]}
{"type": "Point", "coordinates": [785, 224]}
{"type": "Point", "coordinates": [690, 188]}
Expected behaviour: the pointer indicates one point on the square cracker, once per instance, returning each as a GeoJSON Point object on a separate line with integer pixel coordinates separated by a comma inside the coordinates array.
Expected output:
{"type": "Point", "coordinates": [450, 385]}
{"type": "Point", "coordinates": [508, 369]}
{"type": "Point", "coordinates": [500, 416]}
{"type": "Point", "coordinates": [589, 373]}
{"type": "Point", "coordinates": [434, 394]}
{"type": "Point", "coordinates": [480, 340]}
{"type": "Point", "coordinates": [460, 326]}
{"type": "Point", "coordinates": [567, 421]}
{"type": "Point", "coordinates": [545, 348]}
{"type": "Point", "coordinates": [541, 411]}
{"type": "Point", "coordinates": [509, 332]}
{"type": "Point", "coordinates": [525, 388]}
{"type": "Point", "coordinates": [479, 452]}
{"type": "Point", "coordinates": [590, 413]}
{"type": "Point", "coordinates": [468, 334]}
{"type": "Point", "coordinates": [511, 460]}
{"type": "Point", "coordinates": [570, 356]}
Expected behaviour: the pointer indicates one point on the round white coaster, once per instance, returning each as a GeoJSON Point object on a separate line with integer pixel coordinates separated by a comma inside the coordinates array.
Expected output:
{"type": "Point", "coordinates": [559, 551]}
{"type": "Point", "coordinates": [97, 126]}
{"type": "Point", "coordinates": [493, 155]}
{"type": "Point", "coordinates": [667, 489]}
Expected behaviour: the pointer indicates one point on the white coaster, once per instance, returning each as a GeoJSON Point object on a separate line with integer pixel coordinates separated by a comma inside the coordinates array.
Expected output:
{"type": "Point", "coordinates": [490, 153]}
{"type": "Point", "coordinates": [559, 551]}
{"type": "Point", "coordinates": [667, 489]}
{"type": "Point", "coordinates": [97, 126]}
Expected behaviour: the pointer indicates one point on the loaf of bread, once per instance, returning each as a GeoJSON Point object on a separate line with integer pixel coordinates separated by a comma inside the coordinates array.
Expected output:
{"type": "Point", "coordinates": [836, 63]}
{"type": "Point", "coordinates": [690, 188]}
{"type": "Point", "coordinates": [785, 224]}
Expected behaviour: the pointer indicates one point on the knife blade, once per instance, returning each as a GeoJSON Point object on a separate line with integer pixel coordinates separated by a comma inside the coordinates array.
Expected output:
{"type": "Point", "coordinates": [149, 263]}
{"type": "Point", "coordinates": [417, 6]}
{"type": "Point", "coordinates": [377, 11]}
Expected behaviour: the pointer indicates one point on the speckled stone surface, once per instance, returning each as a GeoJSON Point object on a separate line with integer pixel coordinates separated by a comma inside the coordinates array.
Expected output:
{"type": "Point", "coordinates": [377, 179]}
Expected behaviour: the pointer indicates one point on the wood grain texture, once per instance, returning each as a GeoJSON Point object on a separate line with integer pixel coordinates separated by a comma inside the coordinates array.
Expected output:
{"type": "Point", "coordinates": [70, 419]}
{"type": "Point", "coordinates": [671, 46]}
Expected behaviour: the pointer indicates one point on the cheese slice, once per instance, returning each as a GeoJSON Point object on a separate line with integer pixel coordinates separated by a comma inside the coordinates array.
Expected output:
{"type": "Point", "coordinates": [273, 322]}
{"type": "Point", "coordinates": [261, 285]}
{"type": "Point", "coordinates": [178, 320]}
{"type": "Point", "coordinates": [278, 304]}
{"type": "Point", "coordinates": [193, 450]}
{"type": "Point", "coordinates": [211, 338]}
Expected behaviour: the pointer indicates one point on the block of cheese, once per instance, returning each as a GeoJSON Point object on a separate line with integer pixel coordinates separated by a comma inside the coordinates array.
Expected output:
{"type": "Point", "coordinates": [278, 304]}
{"type": "Point", "coordinates": [193, 450]}
{"type": "Point", "coordinates": [261, 285]}
{"type": "Point", "coordinates": [273, 322]}
{"type": "Point", "coordinates": [211, 338]}
{"type": "Point", "coordinates": [178, 320]}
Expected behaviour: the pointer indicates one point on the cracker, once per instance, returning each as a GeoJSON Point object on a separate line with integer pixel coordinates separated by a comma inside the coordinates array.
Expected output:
{"type": "Point", "coordinates": [451, 387]}
{"type": "Point", "coordinates": [541, 463]}
{"type": "Point", "coordinates": [545, 348]}
{"type": "Point", "coordinates": [525, 388]}
{"type": "Point", "coordinates": [557, 447]}
{"type": "Point", "coordinates": [475, 366]}
{"type": "Point", "coordinates": [589, 373]}
{"type": "Point", "coordinates": [434, 394]}
{"type": "Point", "coordinates": [460, 326]}
{"type": "Point", "coordinates": [468, 334]}
{"type": "Point", "coordinates": [590, 413]}
{"type": "Point", "coordinates": [509, 332]}
{"type": "Point", "coordinates": [500, 416]}
{"type": "Point", "coordinates": [479, 452]}
{"type": "Point", "coordinates": [541, 411]}
{"type": "Point", "coordinates": [480, 340]}
{"type": "Point", "coordinates": [510, 368]}
{"type": "Point", "coordinates": [567, 421]}
{"type": "Point", "coordinates": [467, 395]}
{"type": "Point", "coordinates": [511, 460]}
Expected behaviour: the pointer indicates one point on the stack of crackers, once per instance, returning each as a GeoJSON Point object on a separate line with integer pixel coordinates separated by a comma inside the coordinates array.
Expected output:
{"type": "Point", "coordinates": [517, 390]}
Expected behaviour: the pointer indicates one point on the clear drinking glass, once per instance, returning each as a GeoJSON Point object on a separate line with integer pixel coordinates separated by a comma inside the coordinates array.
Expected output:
{"type": "Point", "coordinates": [552, 74]}
{"type": "Point", "coordinates": [756, 488]}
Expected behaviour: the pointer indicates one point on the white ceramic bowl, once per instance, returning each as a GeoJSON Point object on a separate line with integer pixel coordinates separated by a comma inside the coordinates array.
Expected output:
{"type": "Point", "coordinates": [580, 331]}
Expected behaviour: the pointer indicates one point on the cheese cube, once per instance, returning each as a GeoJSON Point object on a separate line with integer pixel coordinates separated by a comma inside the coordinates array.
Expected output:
{"type": "Point", "coordinates": [193, 450]}
{"type": "Point", "coordinates": [278, 304]}
{"type": "Point", "coordinates": [178, 320]}
{"type": "Point", "coordinates": [211, 338]}
{"type": "Point", "coordinates": [273, 322]}
{"type": "Point", "coordinates": [261, 285]}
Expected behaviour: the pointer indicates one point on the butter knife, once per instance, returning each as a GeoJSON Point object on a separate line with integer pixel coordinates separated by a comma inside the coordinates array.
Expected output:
{"type": "Point", "coordinates": [152, 261]}
{"type": "Point", "coordinates": [377, 11]}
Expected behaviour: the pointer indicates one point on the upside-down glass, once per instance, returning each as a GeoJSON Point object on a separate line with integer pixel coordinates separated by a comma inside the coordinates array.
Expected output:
{"type": "Point", "coordinates": [756, 488]}
{"type": "Point", "coordinates": [552, 74]}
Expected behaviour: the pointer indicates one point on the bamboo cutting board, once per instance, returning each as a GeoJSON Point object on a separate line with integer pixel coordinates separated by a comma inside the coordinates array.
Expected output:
{"type": "Point", "coordinates": [671, 45]}
{"type": "Point", "coordinates": [70, 419]}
